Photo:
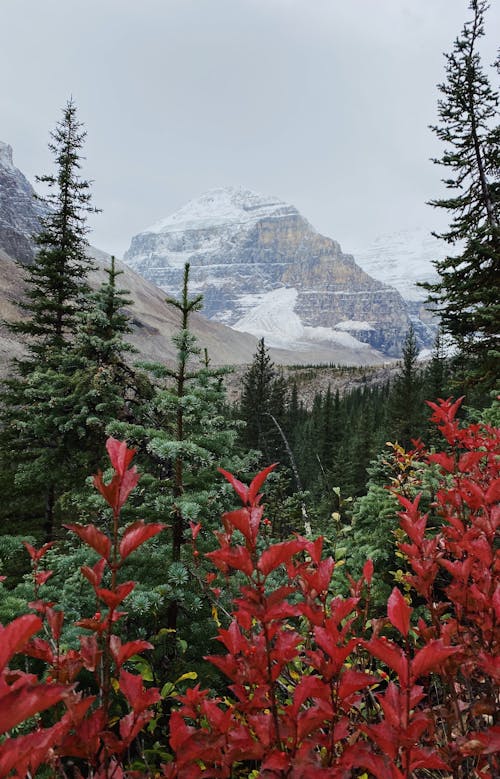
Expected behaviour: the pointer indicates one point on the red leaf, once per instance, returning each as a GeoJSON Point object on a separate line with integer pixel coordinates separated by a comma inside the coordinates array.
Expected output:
{"type": "Point", "coordinates": [351, 681]}
{"type": "Point", "coordinates": [195, 529]}
{"type": "Point", "coordinates": [93, 537]}
{"type": "Point", "coordinates": [446, 462]}
{"type": "Point", "coordinates": [493, 492]}
{"type": "Point", "coordinates": [276, 762]}
{"type": "Point", "coordinates": [37, 554]}
{"type": "Point", "coordinates": [113, 599]}
{"type": "Point", "coordinates": [55, 620]}
{"type": "Point", "coordinates": [309, 687]}
{"type": "Point", "coordinates": [22, 703]}
{"type": "Point", "coordinates": [119, 454]}
{"type": "Point", "coordinates": [430, 656]}
{"type": "Point", "coordinates": [137, 534]}
{"type": "Point", "coordinates": [40, 649]}
{"type": "Point", "coordinates": [232, 638]}
{"type": "Point", "coordinates": [279, 553]}
{"type": "Point", "coordinates": [246, 520]}
{"type": "Point", "coordinates": [42, 576]}
{"type": "Point", "coordinates": [123, 652]}
{"type": "Point", "coordinates": [390, 654]}
{"type": "Point", "coordinates": [228, 557]}
{"type": "Point", "coordinates": [15, 635]}
{"type": "Point", "coordinates": [238, 486]}
{"type": "Point", "coordinates": [138, 698]}
{"type": "Point", "coordinates": [94, 574]}
{"type": "Point", "coordinates": [119, 488]}
{"type": "Point", "coordinates": [257, 483]}
{"type": "Point", "coordinates": [90, 652]}
{"type": "Point", "coordinates": [399, 612]}
{"type": "Point", "coordinates": [368, 571]}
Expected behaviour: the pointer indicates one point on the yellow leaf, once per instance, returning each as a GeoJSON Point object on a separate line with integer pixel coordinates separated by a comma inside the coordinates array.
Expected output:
{"type": "Point", "coordinates": [215, 616]}
{"type": "Point", "coordinates": [188, 675]}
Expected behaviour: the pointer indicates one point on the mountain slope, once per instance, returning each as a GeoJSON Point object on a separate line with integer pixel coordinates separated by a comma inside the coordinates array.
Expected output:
{"type": "Point", "coordinates": [402, 260]}
{"type": "Point", "coordinates": [153, 321]}
{"type": "Point", "coordinates": [251, 255]}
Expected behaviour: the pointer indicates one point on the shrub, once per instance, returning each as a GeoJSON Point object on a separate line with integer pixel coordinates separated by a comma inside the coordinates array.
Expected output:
{"type": "Point", "coordinates": [317, 687]}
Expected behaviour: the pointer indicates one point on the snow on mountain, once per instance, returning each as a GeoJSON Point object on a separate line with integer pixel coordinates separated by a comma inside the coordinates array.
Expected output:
{"type": "Point", "coordinates": [402, 259]}
{"type": "Point", "coordinates": [262, 268]}
{"type": "Point", "coordinates": [226, 206]}
{"type": "Point", "coordinates": [6, 156]}
{"type": "Point", "coordinates": [274, 319]}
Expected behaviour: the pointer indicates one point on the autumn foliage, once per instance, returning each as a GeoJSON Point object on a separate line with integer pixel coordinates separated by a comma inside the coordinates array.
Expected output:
{"type": "Point", "coordinates": [316, 686]}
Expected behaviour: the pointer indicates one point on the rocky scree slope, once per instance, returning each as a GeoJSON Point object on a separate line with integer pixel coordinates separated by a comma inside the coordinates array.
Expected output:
{"type": "Point", "coordinates": [263, 269]}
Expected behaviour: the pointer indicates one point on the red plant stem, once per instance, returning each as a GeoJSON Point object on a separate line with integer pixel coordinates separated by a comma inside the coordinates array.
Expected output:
{"type": "Point", "coordinates": [407, 751]}
{"type": "Point", "coordinates": [106, 686]}
{"type": "Point", "coordinates": [272, 689]}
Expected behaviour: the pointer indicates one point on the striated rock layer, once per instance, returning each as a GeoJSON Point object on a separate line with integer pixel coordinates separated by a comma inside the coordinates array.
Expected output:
{"type": "Point", "coordinates": [244, 247]}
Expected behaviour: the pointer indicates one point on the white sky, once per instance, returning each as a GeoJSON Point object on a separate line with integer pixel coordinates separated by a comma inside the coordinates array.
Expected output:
{"type": "Point", "coordinates": [324, 103]}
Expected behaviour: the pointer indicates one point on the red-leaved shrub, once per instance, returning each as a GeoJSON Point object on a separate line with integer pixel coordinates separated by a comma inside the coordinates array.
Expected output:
{"type": "Point", "coordinates": [316, 687]}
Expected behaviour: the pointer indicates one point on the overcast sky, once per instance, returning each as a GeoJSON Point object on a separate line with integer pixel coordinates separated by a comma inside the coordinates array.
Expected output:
{"type": "Point", "coordinates": [324, 103]}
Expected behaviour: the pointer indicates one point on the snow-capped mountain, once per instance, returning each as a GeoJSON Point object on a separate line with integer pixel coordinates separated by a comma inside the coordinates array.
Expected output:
{"type": "Point", "coordinates": [402, 259]}
{"type": "Point", "coordinates": [263, 269]}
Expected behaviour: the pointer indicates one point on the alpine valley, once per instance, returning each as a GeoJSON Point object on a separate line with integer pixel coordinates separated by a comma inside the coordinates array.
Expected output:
{"type": "Point", "coordinates": [263, 269]}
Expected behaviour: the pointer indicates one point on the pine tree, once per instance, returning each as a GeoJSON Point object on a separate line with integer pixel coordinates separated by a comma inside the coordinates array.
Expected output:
{"type": "Point", "coordinates": [467, 292]}
{"type": "Point", "coordinates": [182, 434]}
{"type": "Point", "coordinates": [406, 401]}
{"type": "Point", "coordinates": [37, 404]}
{"type": "Point", "coordinates": [57, 286]}
{"type": "Point", "coordinates": [263, 407]}
{"type": "Point", "coordinates": [104, 386]}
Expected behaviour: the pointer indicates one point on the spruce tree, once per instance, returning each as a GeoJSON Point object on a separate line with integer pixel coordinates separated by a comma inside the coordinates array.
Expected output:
{"type": "Point", "coordinates": [57, 287]}
{"type": "Point", "coordinates": [406, 401]}
{"type": "Point", "coordinates": [467, 292]}
{"type": "Point", "coordinates": [37, 402]}
{"type": "Point", "coordinates": [182, 434]}
{"type": "Point", "coordinates": [104, 387]}
{"type": "Point", "coordinates": [263, 407]}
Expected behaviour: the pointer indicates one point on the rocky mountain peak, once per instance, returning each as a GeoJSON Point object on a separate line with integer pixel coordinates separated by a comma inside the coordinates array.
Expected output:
{"type": "Point", "coordinates": [263, 269]}
{"type": "Point", "coordinates": [20, 211]}
{"type": "Point", "coordinates": [6, 160]}
{"type": "Point", "coordinates": [230, 206]}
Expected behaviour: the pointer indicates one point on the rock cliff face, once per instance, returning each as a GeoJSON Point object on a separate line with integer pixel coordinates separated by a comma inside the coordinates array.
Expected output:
{"type": "Point", "coordinates": [19, 210]}
{"type": "Point", "coordinates": [246, 250]}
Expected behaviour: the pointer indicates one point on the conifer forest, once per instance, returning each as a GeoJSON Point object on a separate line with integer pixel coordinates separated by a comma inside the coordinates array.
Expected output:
{"type": "Point", "coordinates": [274, 586]}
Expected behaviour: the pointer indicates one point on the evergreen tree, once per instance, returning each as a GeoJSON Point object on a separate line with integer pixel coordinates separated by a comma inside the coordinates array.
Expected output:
{"type": "Point", "coordinates": [406, 401]}
{"type": "Point", "coordinates": [182, 434]}
{"type": "Point", "coordinates": [37, 408]}
{"type": "Point", "coordinates": [263, 407]}
{"type": "Point", "coordinates": [57, 286]}
{"type": "Point", "coordinates": [104, 387]}
{"type": "Point", "coordinates": [467, 292]}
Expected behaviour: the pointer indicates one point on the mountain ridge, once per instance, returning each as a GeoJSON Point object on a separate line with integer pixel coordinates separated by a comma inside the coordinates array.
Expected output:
{"type": "Point", "coordinates": [242, 246]}
{"type": "Point", "coordinates": [153, 321]}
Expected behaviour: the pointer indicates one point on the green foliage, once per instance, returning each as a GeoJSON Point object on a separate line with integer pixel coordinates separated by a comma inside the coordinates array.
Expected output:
{"type": "Point", "coordinates": [374, 531]}
{"type": "Point", "coordinates": [41, 415]}
{"type": "Point", "coordinates": [263, 407]}
{"type": "Point", "coordinates": [407, 409]}
{"type": "Point", "coordinates": [467, 291]}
